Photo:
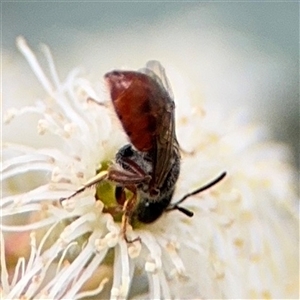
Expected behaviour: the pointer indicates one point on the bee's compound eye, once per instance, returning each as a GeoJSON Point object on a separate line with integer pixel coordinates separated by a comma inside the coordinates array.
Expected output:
{"type": "Point", "coordinates": [126, 151]}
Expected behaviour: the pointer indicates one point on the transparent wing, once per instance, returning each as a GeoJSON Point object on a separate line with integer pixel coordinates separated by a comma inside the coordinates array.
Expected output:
{"type": "Point", "coordinates": [155, 70]}
{"type": "Point", "coordinates": [166, 141]}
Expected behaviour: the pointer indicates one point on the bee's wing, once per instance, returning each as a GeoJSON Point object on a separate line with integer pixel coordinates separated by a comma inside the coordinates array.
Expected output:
{"type": "Point", "coordinates": [166, 142]}
{"type": "Point", "coordinates": [146, 110]}
{"type": "Point", "coordinates": [155, 70]}
{"type": "Point", "coordinates": [166, 145]}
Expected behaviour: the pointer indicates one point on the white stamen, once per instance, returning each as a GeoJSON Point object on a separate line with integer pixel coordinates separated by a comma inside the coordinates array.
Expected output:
{"type": "Point", "coordinates": [36, 166]}
{"type": "Point", "coordinates": [19, 271]}
{"type": "Point", "coordinates": [115, 291]}
{"type": "Point", "coordinates": [65, 276]}
{"type": "Point", "coordinates": [236, 227]}
{"type": "Point", "coordinates": [112, 239]}
{"type": "Point", "coordinates": [9, 115]}
{"type": "Point", "coordinates": [29, 227]}
{"type": "Point", "coordinates": [4, 272]}
{"type": "Point", "coordinates": [134, 250]}
{"type": "Point", "coordinates": [150, 267]}
{"type": "Point", "coordinates": [88, 294]}
{"type": "Point", "coordinates": [154, 285]}
{"type": "Point", "coordinates": [33, 251]}
{"type": "Point", "coordinates": [86, 274]}
{"type": "Point", "coordinates": [51, 64]}
{"type": "Point", "coordinates": [26, 51]}
{"type": "Point", "coordinates": [62, 258]}
{"type": "Point", "coordinates": [124, 289]}
{"type": "Point", "coordinates": [153, 247]}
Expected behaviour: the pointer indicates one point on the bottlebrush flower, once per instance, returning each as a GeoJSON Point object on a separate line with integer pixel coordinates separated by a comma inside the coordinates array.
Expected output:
{"type": "Point", "coordinates": [241, 242]}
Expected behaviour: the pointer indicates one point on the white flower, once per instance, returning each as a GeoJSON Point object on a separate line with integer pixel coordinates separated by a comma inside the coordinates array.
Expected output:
{"type": "Point", "coordinates": [241, 242]}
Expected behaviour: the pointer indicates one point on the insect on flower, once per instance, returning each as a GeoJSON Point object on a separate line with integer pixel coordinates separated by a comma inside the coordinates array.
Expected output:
{"type": "Point", "coordinates": [149, 166]}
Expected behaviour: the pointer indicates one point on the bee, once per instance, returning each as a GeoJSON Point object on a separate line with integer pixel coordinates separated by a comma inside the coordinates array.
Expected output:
{"type": "Point", "coordinates": [149, 165]}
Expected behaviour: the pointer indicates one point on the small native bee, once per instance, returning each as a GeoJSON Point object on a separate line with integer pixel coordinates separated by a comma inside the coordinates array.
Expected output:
{"type": "Point", "coordinates": [149, 166]}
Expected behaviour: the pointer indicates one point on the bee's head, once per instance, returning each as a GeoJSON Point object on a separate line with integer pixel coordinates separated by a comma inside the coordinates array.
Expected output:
{"type": "Point", "coordinates": [148, 211]}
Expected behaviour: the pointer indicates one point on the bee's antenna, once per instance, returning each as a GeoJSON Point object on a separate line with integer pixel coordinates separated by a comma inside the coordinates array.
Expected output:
{"type": "Point", "coordinates": [199, 190]}
{"type": "Point", "coordinates": [183, 210]}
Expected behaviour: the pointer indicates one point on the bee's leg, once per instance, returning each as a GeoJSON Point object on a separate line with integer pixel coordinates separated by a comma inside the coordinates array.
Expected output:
{"type": "Point", "coordinates": [94, 180]}
{"type": "Point", "coordinates": [128, 179]}
{"type": "Point", "coordinates": [115, 174]}
{"type": "Point", "coordinates": [120, 195]}
{"type": "Point", "coordinates": [128, 209]}
{"type": "Point", "coordinates": [125, 177]}
{"type": "Point", "coordinates": [121, 199]}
